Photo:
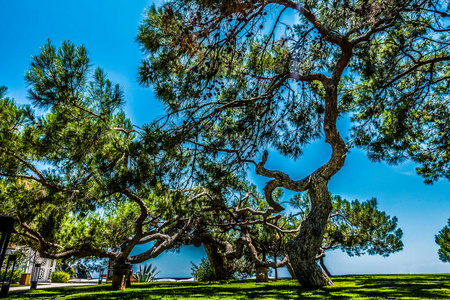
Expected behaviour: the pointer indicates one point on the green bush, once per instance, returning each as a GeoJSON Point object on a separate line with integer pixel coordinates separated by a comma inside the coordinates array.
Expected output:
{"type": "Point", "coordinates": [15, 277]}
{"type": "Point", "coordinates": [60, 277]}
{"type": "Point", "coordinates": [237, 268]}
{"type": "Point", "coordinates": [204, 271]}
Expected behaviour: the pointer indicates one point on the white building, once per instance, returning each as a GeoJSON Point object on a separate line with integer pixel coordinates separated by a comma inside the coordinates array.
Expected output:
{"type": "Point", "coordinates": [47, 266]}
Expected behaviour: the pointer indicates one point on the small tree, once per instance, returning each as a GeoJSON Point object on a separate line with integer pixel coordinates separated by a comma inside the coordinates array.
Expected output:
{"type": "Point", "coordinates": [443, 240]}
{"type": "Point", "coordinates": [204, 271]}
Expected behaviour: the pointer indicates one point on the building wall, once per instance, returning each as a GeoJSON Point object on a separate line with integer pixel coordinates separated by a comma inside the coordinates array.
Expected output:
{"type": "Point", "coordinates": [47, 266]}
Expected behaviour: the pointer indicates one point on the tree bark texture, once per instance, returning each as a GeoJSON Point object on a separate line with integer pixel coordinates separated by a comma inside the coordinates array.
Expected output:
{"type": "Point", "coordinates": [262, 274]}
{"type": "Point", "coordinates": [302, 250]}
{"type": "Point", "coordinates": [128, 277]}
{"type": "Point", "coordinates": [120, 274]}
{"type": "Point", "coordinates": [218, 263]}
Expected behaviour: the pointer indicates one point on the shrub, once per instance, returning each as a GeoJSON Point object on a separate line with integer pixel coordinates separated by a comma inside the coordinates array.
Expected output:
{"type": "Point", "coordinates": [15, 276]}
{"type": "Point", "coordinates": [60, 277]}
{"type": "Point", "coordinates": [237, 268]}
{"type": "Point", "coordinates": [204, 271]}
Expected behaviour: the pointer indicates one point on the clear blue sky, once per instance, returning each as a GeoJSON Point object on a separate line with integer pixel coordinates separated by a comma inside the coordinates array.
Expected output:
{"type": "Point", "coordinates": [108, 30]}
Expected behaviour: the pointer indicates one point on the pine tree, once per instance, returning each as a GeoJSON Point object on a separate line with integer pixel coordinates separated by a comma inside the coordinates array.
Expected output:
{"type": "Point", "coordinates": [240, 77]}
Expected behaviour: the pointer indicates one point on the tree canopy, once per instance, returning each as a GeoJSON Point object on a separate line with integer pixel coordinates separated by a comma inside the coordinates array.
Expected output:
{"type": "Point", "coordinates": [231, 67]}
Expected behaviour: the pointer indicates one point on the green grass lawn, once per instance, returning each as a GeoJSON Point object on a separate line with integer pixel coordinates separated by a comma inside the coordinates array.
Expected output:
{"type": "Point", "coordinates": [346, 287]}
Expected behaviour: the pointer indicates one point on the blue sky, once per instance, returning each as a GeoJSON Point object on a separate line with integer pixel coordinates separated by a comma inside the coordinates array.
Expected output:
{"type": "Point", "coordinates": [108, 30]}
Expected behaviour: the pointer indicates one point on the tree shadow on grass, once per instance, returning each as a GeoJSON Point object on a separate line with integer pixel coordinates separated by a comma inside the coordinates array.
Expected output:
{"type": "Point", "coordinates": [167, 290]}
{"type": "Point", "coordinates": [369, 287]}
{"type": "Point", "coordinates": [431, 286]}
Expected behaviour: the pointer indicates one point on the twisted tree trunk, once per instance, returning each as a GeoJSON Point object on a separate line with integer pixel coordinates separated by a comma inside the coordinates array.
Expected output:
{"type": "Point", "coordinates": [302, 250]}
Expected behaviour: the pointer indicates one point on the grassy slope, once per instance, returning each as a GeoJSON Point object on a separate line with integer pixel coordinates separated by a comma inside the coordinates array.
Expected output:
{"type": "Point", "coordinates": [346, 287]}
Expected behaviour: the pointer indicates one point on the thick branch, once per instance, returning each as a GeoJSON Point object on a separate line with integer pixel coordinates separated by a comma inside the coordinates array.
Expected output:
{"type": "Point", "coordinates": [255, 258]}
{"type": "Point", "coordinates": [280, 180]}
{"type": "Point", "coordinates": [80, 254]}
{"type": "Point", "coordinates": [40, 177]}
{"type": "Point", "coordinates": [158, 248]}
{"type": "Point", "coordinates": [308, 78]}
{"type": "Point", "coordinates": [139, 222]}
{"type": "Point", "coordinates": [44, 246]}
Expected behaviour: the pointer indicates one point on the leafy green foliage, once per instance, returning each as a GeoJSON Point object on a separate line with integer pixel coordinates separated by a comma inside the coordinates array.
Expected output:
{"type": "Point", "coordinates": [400, 100]}
{"type": "Point", "coordinates": [443, 240]}
{"type": "Point", "coordinates": [60, 276]}
{"type": "Point", "coordinates": [235, 80]}
{"type": "Point", "coordinates": [204, 271]}
{"type": "Point", "coordinates": [356, 227]}
{"type": "Point", "coordinates": [15, 275]}
{"type": "Point", "coordinates": [230, 69]}
{"type": "Point", "coordinates": [189, 65]}
{"type": "Point", "coordinates": [359, 227]}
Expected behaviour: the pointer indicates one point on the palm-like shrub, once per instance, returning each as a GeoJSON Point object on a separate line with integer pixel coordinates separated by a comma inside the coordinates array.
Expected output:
{"type": "Point", "coordinates": [146, 273]}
